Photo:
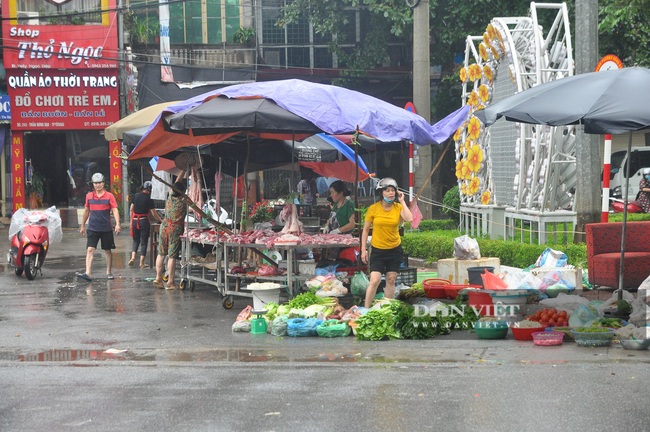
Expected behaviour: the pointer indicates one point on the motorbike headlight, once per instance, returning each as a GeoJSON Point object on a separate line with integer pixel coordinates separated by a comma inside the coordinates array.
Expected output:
{"type": "Point", "coordinates": [616, 192]}
{"type": "Point", "coordinates": [45, 243]}
{"type": "Point", "coordinates": [25, 241]}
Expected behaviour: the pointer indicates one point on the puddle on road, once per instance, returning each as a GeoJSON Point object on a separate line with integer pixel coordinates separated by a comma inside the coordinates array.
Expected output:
{"type": "Point", "coordinates": [68, 355]}
{"type": "Point", "coordinates": [234, 355]}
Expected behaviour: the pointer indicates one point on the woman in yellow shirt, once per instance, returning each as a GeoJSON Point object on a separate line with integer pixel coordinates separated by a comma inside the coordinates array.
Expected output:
{"type": "Point", "coordinates": [384, 216]}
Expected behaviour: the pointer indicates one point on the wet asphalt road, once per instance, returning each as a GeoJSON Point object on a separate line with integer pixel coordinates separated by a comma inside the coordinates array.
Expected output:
{"type": "Point", "coordinates": [177, 366]}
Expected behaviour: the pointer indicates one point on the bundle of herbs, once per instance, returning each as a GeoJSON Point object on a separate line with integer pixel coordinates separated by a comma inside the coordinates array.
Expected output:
{"type": "Point", "coordinates": [395, 319]}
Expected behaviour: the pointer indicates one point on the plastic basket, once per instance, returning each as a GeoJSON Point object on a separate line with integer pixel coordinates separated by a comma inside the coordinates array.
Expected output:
{"type": "Point", "coordinates": [407, 276]}
{"type": "Point", "coordinates": [435, 288]}
{"type": "Point", "coordinates": [595, 339]}
{"type": "Point", "coordinates": [546, 338]}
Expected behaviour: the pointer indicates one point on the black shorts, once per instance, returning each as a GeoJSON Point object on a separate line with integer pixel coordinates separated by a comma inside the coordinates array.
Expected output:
{"type": "Point", "coordinates": [93, 237]}
{"type": "Point", "coordinates": [386, 260]}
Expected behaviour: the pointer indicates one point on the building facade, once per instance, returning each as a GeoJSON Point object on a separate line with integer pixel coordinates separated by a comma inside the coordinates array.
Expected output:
{"type": "Point", "coordinates": [62, 82]}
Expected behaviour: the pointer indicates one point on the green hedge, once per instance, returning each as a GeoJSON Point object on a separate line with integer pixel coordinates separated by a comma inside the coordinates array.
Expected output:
{"type": "Point", "coordinates": [435, 245]}
{"type": "Point", "coordinates": [434, 240]}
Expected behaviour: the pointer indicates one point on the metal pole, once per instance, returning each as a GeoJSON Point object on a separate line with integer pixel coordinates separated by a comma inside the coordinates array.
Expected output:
{"type": "Point", "coordinates": [121, 67]}
{"type": "Point", "coordinates": [621, 270]}
{"type": "Point", "coordinates": [588, 202]}
{"type": "Point", "coordinates": [422, 92]}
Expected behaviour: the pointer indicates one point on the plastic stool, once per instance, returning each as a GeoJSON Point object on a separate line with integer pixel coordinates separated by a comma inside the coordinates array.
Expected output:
{"type": "Point", "coordinates": [361, 189]}
{"type": "Point", "coordinates": [258, 324]}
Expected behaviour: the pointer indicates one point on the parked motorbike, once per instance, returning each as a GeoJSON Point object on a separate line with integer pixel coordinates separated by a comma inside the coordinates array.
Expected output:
{"type": "Point", "coordinates": [618, 205]}
{"type": "Point", "coordinates": [31, 234]}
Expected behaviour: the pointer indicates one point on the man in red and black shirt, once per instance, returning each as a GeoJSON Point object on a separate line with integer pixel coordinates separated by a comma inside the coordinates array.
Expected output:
{"type": "Point", "coordinates": [100, 203]}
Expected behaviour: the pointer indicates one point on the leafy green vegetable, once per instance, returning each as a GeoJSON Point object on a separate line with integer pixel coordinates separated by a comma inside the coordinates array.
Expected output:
{"type": "Point", "coordinates": [377, 324]}
{"type": "Point", "coordinates": [304, 300]}
{"type": "Point", "coordinates": [592, 329]}
{"type": "Point", "coordinates": [623, 306]}
{"type": "Point", "coordinates": [423, 327]}
{"type": "Point", "coordinates": [610, 322]}
{"type": "Point", "coordinates": [271, 310]}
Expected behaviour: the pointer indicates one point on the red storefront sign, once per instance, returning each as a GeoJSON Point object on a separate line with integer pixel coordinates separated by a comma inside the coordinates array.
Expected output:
{"type": "Point", "coordinates": [63, 100]}
{"type": "Point", "coordinates": [36, 44]}
{"type": "Point", "coordinates": [115, 148]}
{"type": "Point", "coordinates": [17, 171]}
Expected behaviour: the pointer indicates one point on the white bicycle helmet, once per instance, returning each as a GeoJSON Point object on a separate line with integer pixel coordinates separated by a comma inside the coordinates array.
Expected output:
{"type": "Point", "coordinates": [97, 178]}
{"type": "Point", "coordinates": [646, 171]}
{"type": "Point", "coordinates": [386, 182]}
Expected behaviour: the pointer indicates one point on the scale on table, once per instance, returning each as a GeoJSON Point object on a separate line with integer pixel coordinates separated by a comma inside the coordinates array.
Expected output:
{"type": "Point", "coordinates": [258, 324]}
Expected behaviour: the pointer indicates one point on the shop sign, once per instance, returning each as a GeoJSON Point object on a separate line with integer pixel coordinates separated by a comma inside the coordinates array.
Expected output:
{"type": "Point", "coordinates": [5, 108]}
{"type": "Point", "coordinates": [63, 99]}
{"type": "Point", "coordinates": [17, 171]}
{"type": "Point", "coordinates": [115, 170]}
{"type": "Point", "coordinates": [35, 44]}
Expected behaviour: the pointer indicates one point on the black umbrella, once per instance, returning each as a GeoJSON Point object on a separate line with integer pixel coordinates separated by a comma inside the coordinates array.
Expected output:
{"type": "Point", "coordinates": [222, 114]}
{"type": "Point", "coordinates": [607, 102]}
{"type": "Point", "coordinates": [264, 153]}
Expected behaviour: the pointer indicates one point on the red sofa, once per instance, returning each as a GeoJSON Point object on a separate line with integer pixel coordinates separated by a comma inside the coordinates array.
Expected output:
{"type": "Point", "coordinates": [604, 253]}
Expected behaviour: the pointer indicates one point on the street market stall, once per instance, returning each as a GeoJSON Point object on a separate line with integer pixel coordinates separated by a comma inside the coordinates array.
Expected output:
{"type": "Point", "coordinates": [252, 113]}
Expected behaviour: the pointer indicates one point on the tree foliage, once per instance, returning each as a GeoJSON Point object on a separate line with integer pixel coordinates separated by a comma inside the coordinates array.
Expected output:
{"type": "Point", "coordinates": [624, 30]}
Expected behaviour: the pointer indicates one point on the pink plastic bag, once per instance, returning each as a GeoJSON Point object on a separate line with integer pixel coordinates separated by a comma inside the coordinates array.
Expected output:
{"type": "Point", "coordinates": [492, 281]}
{"type": "Point", "coordinates": [417, 214]}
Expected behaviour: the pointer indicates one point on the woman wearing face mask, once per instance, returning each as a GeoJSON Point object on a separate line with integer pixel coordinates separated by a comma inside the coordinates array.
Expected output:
{"type": "Point", "coordinates": [384, 216]}
{"type": "Point", "coordinates": [643, 197]}
{"type": "Point", "coordinates": [342, 219]}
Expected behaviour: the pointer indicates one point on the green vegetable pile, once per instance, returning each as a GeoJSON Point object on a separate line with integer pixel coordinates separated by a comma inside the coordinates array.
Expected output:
{"type": "Point", "coordinates": [623, 307]}
{"type": "Point", "coordinates": [592, 329]}
{"type": "Point", "coordinates": [610, 322]}
{"type": "Point", "coordinates": [415, 291]}
{"type": "Point", "coordinates": [423, 327]}
{"type": "Point", "coordinates": [377, 324]}
{"type": "Point", "coordinates": [397, 320]}
{"type": "Point", "coordinates": [460, 321]}
{"type": "Point", "coordinates": [304, 300]}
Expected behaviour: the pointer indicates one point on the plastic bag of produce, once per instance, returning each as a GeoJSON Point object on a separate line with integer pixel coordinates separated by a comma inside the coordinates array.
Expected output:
{"type": "Point", "coordinates": [279, 326]}
{"type": "Point", "coordinates": [554, 281]}
{"type": "Point", "coordinates": [245, 314]}
{"type": "Point", "coordinates": [359, 284]}
{"type": "Point", "coordinates": [241, 326]}
{"type": "Point", "coordinates": [583, 316]}
{"type": "Point", "coordinates": [332, 288]}
{"type": "Point", "coordinates": [466, 248]}
{"type": "Point", "coordinates": [551, 258]}
{"type": "Point", "coordinates": [333, 328]}
{"type": "Point", "coordinates": [303, 326]}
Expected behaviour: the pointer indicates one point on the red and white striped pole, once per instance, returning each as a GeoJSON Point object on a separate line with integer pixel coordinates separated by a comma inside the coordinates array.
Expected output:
{"type": "Point", "coordinates": [606, 171]}
{"type": "Point", "coordinates": [410, 107]}
{"type": "Point", "coordinates": [608, 62]}
{"type": "Point", "coordinates": [411, 173]}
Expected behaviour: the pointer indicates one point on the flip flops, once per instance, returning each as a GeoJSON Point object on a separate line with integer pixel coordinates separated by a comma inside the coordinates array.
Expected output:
{"type": "Point", "coordinates": [110, 276]}
{"type": "Point", "coordinates": [171, 287]}
{"type": "Point", "coordinates": [131, 262]}
{"type": "Point", "coordinates": [84, 276]}
{"type": "Point", "coordinates": [158, 284]}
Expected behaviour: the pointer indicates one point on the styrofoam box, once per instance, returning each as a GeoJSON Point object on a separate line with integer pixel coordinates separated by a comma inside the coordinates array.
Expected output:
{"type": "Point", "coordinates": [573, 275]}
{"type": "Point", "coordinates": [307, 267]}
{"type": "Point", "coordinates": [455, 270]}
